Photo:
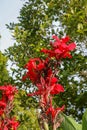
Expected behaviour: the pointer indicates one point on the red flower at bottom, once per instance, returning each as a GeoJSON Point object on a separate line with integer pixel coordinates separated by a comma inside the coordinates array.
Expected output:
{"type": "Point", "coordinates": [13, 124]}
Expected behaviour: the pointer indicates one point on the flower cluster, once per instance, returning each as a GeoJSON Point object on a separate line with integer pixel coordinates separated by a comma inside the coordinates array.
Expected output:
{"type": "Point", "coordinates": [60, 48]}
{"type": "Point", "coordinates": [6, 104]}
{"type": "Point", "coordinates": [43, 74]}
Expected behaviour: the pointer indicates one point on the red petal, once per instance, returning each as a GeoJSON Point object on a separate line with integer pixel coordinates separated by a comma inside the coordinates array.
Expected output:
{"type": "Point", "coordinates": [58, 51]}
{"type": "Point", "coordinates": [71, 46]}
{"type": "Point", "coordinates": [56, 38]}
{"type": "Point", "coordinates": [54, 80]}
{"type": "Point", "coordinates": [57, 89]}
{"type": "Point", "coordinates": [66, 39]}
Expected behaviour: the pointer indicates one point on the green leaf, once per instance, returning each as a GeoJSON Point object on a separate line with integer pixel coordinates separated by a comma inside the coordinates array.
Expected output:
{"type": "Point", "coordinates": [67, 124]}
{"type": "Point", "coordinates": [76, 125]}
{"type": "Point", "coordinates": [84, 121]}
{"type": "Point", "coordinates": [70, 124]}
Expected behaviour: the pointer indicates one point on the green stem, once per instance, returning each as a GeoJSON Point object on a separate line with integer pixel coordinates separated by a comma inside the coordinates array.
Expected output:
{"type": "Point", "coordinates": [46, 127]}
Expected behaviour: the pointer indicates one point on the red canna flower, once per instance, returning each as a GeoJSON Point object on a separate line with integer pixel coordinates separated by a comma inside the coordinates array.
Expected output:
{"type": "Point", "coordinates": [6, 106]}
{"type": "Point", "coordinates": [32, 75]}
{"type": "Point", "coordinates": [57, 89]}
{"type": "Point", "coordinates": [65, 39]}
{"type": "Point", "coordinates": [9, 124]}
{"type": "Point", "coordinates": [60, 48]}
{"type": "Point", "coordinates": [41, 74]}
{"type": "Point", "coordinates": [34, 66]}
{"type": "Point", "coordinates": [13, 124]}
{"type": "Point", "coordinates": [8, 91]}
{"type": "Point", "coordinates": [35, 63]}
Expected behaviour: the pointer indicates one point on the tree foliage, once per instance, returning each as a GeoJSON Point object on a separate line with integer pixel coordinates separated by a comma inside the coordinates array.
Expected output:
{"type": "Point", "coordinates": [4, 75]}
{"type": "Point", "coordinates": [24, 109]}
{"type": "Point", "coordinates": [38, 20]}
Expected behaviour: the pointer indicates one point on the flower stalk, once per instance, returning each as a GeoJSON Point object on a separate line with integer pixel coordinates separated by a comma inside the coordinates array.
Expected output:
{"type": "Point", "coordinates": [43, 74]}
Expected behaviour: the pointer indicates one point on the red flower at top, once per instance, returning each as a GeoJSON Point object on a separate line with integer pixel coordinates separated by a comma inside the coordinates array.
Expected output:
{"type": "Point", "coordinates": [60, 48]}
